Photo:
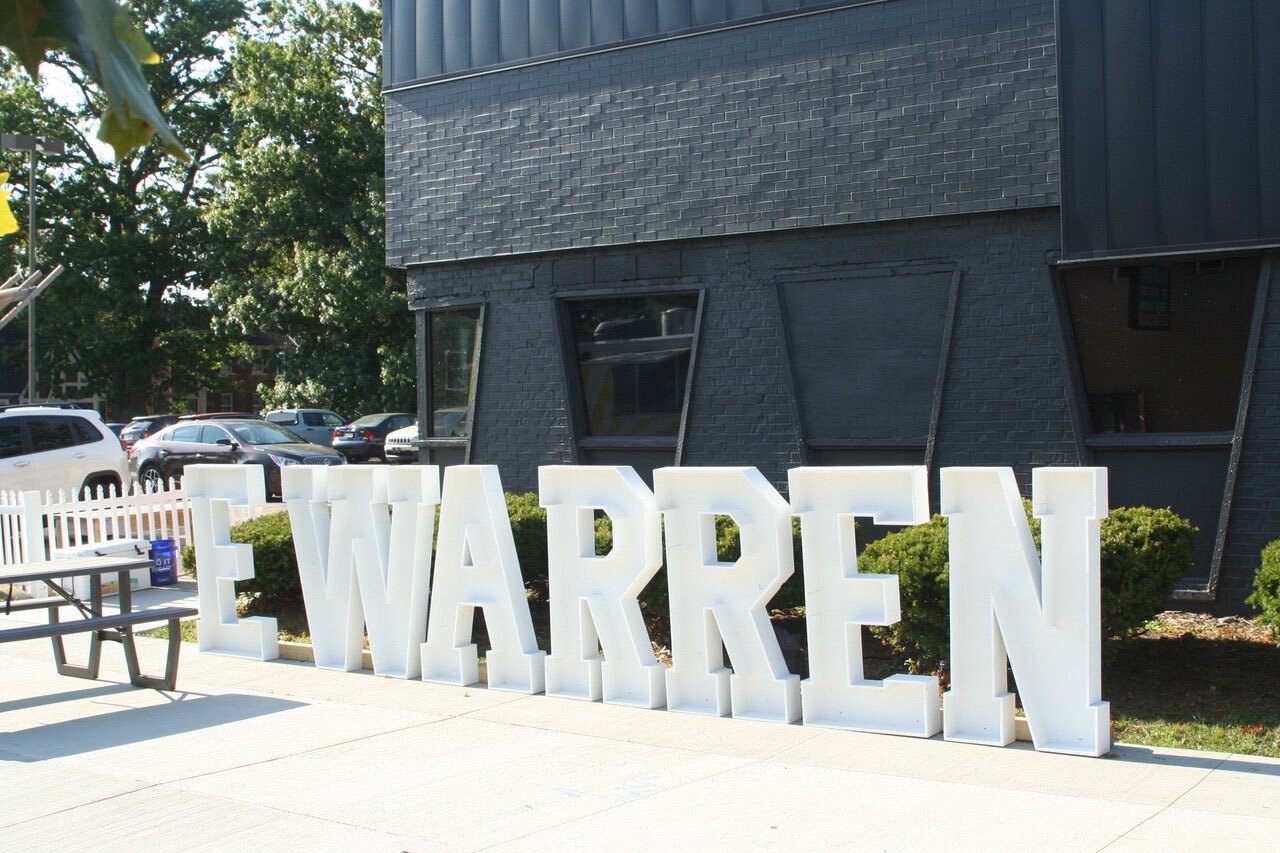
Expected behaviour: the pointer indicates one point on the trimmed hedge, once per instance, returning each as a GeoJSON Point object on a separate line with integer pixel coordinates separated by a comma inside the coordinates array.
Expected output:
{"type": "Point", "coordinates": [1266, 589]}
{"type": "Point", "coordinates": [1144, 553]}
{"type": "Point", "coordinates": [276, 566]}
{"type": "Point", "coordinates": [275, 572]}
{"type": "Point", "coordinates": [654, 597]}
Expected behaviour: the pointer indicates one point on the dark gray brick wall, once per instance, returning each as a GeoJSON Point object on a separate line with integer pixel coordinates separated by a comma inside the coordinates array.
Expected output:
{"type": "Point", "coordinates": [1006, 396]}
{"type": "Point", "coordinates": [903, 109]}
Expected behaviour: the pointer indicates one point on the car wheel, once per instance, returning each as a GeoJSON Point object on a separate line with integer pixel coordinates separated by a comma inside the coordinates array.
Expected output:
{"type": "Point", "coordinates": [150, 478]}
{"type": "Point", "coordinates": [109, 486]}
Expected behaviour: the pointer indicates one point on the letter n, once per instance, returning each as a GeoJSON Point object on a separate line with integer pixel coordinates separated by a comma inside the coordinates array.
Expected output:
{"type": "Point", "coordinates": [1041, 616]}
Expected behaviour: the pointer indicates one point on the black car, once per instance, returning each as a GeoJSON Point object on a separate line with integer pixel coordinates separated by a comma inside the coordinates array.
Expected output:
{"type": "Point", "coordinates": [362, 439]}
{"type": "Point", "coordinates": [164, 455]}
{"type": "Point", "coordinates": [143, 426]}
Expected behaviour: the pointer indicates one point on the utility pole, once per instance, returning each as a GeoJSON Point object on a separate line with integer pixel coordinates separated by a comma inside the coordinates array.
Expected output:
{"type": "Point", "coordinates": [34, 146]}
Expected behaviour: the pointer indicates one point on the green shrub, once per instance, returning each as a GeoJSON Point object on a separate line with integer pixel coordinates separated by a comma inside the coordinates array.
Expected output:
{"type": "Point", "coordinates": [275, 568]}
{"type": "Point", "coordinates": [1144, 552]}
{"type": "Point", "coordinates": [1266, 589]}
{"type": "Point", "coordinates": [918, 556]}
{"type": "Point", "coordinates": [529, 529]}
{"type": "Point", "coordinates": [276, 565]}
{"type": "Point", "coordinates": [654, 597]}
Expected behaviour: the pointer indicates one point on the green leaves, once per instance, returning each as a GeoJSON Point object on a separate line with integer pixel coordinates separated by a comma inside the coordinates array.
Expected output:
{"type": "Point", "coordinates": [101, 38]}
{"type": "Point", "coordinates": [300, 213]}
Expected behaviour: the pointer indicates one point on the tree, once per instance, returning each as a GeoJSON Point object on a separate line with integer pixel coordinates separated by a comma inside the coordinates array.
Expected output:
{"type": "Point", "coordinates": [130, 313]}
{"type": "Point", "coordinates": [299, 211]}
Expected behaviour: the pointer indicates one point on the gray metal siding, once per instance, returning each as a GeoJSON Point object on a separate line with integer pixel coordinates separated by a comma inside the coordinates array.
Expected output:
{"type": "Point", "coordinates": [475, 34]}
{"type": "Point", "coordinates": [1170, 125]}
{"type": "Point", "coordinates": [894, 110]}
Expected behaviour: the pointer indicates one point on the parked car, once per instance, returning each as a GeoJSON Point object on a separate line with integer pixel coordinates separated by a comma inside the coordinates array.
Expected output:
{"type": "Point", "coordinates": [166, 454]}
{"type": "Point", "coordinates": [59, 449]}
{"type": "Point", "coordinates": [143, 426]}
{"type": "Point", "coordinates": [313, 425]}
{"type": "Point", "coordinates": [362, 439]}
{"type": "Point", "coordinates": [53, 404]}
{"type": "Point", "coordinates": [401, 446]}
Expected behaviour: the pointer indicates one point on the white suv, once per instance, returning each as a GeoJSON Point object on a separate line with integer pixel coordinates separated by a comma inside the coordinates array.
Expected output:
{"type": "Point", "coordinates": [401, 445]}
{"type": "Point", "coordinates": [59, 450]}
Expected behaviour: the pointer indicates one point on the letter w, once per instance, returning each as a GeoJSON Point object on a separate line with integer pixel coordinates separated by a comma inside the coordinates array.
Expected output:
{"type": "Point", "coordinates": [363, 540]}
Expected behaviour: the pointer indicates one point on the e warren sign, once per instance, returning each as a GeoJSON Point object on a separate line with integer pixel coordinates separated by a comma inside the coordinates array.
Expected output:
{"type": "Point", "coordinates": [363, 538]}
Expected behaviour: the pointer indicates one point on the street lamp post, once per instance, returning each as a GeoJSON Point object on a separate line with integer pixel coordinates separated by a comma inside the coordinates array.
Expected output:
{"type": "Point", "coordinates": [34, 146]}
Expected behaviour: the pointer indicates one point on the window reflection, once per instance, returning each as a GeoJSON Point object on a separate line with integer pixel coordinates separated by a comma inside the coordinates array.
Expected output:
{"type": "Point", "coordinates": [455, 335]}
{"type": "Point", "coordinates": [633, 362]}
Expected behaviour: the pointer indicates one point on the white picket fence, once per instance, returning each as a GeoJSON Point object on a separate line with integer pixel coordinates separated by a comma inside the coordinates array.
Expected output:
{"type": "Point", "coordinates": [35, 526]}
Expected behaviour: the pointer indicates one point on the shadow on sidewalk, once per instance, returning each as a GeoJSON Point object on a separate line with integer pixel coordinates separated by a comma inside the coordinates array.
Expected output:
{"type": "Point", "coordinates": [185, 712]}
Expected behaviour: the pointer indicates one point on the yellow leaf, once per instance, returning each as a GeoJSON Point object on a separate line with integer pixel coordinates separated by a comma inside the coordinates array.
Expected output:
{"type": "Point", "coordinates": [8, 224]}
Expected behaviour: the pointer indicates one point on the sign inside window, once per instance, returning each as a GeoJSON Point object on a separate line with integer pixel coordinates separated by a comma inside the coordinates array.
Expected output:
{"type": "Point", "coordinates": [1149, 298]}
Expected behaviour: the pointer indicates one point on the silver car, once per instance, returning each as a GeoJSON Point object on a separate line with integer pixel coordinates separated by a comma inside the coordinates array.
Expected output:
{"type": "Point", "coordinates": [313, 425]}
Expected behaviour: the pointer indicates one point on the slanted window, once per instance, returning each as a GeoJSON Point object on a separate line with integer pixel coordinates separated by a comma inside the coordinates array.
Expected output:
{"type": "Point", "coordinates": [633, 357]}
{"type": "Point", "coordinates": [866, 346]}
{"type": "Point", "coordinates": [454, 353]}
{"type": "Point", "coordinates": [1161, 353]}
{"type": "Point", "coordinates": [1162, 348]}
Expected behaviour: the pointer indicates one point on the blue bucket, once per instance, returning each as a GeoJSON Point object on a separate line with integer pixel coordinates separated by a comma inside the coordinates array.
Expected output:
{"type": "Point", "coordinates": [164, 556]}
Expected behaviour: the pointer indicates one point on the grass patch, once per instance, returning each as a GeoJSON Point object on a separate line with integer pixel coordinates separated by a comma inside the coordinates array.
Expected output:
{"type": "Point", "coordinates": [1191, 691]}
{"type": "Point", "coordinates": [187, 628]}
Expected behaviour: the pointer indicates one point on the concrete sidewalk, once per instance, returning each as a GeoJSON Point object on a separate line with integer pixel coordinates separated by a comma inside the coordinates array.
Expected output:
{"type": "Point", "coordinates": [283, 756]}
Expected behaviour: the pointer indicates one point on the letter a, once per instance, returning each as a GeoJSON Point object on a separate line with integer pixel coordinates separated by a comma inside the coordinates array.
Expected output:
{"type": "Point", "coordinates": [476, 566]}
{"type": "Point", "coordinates": [1046, 613]}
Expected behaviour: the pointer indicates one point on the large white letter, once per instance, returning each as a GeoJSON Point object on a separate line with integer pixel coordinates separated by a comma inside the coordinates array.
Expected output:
{"type": "Point", "coordinates": [476, 566]}
{"type": "Point", "coordinates": [213, 490]}
{"type": "Point", "coordinates": [714, 602]}
{"type": "Point", "coordinates": [1046, 613]}
{"type": "Point", "coordinates": [377, 522]}
{"type": "Point", "coordinates": [839, 600]}
{"type": "Point", "coordinates": [593, 598]}
{"type": "Point", "coordinates": [322, 539]}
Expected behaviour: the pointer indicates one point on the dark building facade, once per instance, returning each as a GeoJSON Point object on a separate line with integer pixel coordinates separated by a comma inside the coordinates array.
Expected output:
{"type": "Point", "coordinates": [777, 233]}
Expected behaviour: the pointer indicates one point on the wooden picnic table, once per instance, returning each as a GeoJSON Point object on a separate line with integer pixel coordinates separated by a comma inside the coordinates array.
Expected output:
{"type": "Point", "coordinates": [116, 627]}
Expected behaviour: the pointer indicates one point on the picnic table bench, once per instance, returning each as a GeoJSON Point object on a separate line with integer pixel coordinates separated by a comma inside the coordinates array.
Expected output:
{"type": "Point", "coordinates": [117, 627]}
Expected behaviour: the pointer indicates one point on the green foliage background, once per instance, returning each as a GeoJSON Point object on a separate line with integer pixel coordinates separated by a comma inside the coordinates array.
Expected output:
{"type": "Point", "coordinates": [1144, 553]}
{"type": "Point", "coordinates": [298, 218]}
{"type": "Point", "coordinates": [274, 226]}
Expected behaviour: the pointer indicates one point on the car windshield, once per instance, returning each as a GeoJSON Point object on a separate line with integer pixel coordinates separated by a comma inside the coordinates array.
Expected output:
{"type": "Point", "coordinates": [368, 420]}
{"type": "Point", "coordinates": [263, 433]}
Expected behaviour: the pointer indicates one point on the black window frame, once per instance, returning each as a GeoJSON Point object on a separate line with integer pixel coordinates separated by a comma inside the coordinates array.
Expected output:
{"type": "Point", "coordinates": [427, 440]}
{"type": "Point", "coordinates": [574, 394]}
